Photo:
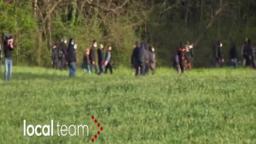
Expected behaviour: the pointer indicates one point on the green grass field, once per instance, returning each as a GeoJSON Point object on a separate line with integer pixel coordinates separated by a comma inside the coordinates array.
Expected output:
{"type": "Point", "coordinates": [201, 106]}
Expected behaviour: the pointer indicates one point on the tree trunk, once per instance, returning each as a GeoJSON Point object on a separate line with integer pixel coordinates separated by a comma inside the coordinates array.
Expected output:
{"type": "Point", "coordinates": [35, 7]}
{"type": "Point", "coordinates": [73, 12]}
{"type": "Point", "coordinates": [49, 32]}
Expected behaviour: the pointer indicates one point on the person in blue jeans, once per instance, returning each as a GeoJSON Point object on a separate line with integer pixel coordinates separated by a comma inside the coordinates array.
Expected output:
{"type": "Point", "coordinates": [72, 69]}
{"type": "Point", "coordinates": [8, 48]}
{"type": "Point", "coordinates": [71, 57]}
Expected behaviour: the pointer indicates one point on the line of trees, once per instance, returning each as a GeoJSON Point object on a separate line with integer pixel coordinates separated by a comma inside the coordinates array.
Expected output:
{"type": "Point", "coordinates": [37, 24]}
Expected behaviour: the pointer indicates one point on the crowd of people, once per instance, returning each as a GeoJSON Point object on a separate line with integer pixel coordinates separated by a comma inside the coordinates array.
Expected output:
{"type": "Point", "coordinates": [248, 53]}
{"type": "Point", "coordinates": [183, 59]}
{"type": "Point", "coordinates": [97, 58]}
{"type": "Point", "coordinates": [59, 54]}
{"type": "Point", "coordinates": [143, 58]}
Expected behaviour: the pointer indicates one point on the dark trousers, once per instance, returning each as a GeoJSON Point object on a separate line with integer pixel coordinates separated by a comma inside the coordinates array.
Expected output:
{"type": "Point", "coordinates": [62, 63]}
{"type": "Point", "coordinates": [101, 68]}
{"type": "Point", "coordinates": [139, 69]}
{"type": "Point", "coordinates": [182, 61]}
{"type": "Point", "coordinates": [146, 68]}
{"type": "Point", "coordinates": [94, 68]}
{"type": "Point", "coordinates": [248, 60]}
{"type": "Point", "coordinates": [233, 62]}
{"type": "Point", "coordinates": [55, 63]}
{"type": "Point", "coordinates": [109, 67]}
{"type": "Point", "coordinates": [219, 62]}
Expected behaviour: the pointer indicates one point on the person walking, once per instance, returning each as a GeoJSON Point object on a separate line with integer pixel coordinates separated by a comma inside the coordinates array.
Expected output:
{"type": "Point", "coordinates": [219, 59]}
{"type": "Point", "coordinates": [137, 59]}
{"type": "Point", "coordinates": [71, 56]}
{"type": "Point", "coordinates": [152, 59]}
{"type": "Point", "coordinates": [108, 60]}
{"type": "Point", "coordinates": [100, 59]}
{"type": "Point", "coordinates": [233, 56]}
{"type": "Point", "coordinates": [93, 56]}
{"type": "Point", "coordinates": [247, 53]}
{"type": "Point", "coordinates": [54, 56]}
{"type": "Point", "coordinates": [63, 54]}
{"type": "Point", "coordinates": [86, 61]}
{"type": "Point", "coordinates": [8, 50]}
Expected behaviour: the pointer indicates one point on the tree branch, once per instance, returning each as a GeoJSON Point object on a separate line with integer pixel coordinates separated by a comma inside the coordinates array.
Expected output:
{"type": "Point", "coordinates": [210, 23]}
{"type": "Point", "coordinates": [170, 7]}
{"type": "Point", "coordinates": [113, 10]}
{"type": "Point", "coordinates": [49, 12]}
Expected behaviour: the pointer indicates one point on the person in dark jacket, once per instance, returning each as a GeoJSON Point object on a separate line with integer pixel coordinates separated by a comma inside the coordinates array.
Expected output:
{"type": "Point", "coordinates": [93, 56]}
{"type": "Point", "coordinates": [100, 59]}
{"type": "Point", "coordinates": [71, 57]}
{"type": "Point", "coordinates": [180, 58]}
{"type": "Point", "coordinates": [247, 53]}
{"type": "Point", "coordinates": [8, 49]}
{"type": "Point", "coordinates": [87, 61]}
{"type": "Point", "coordinates": [233, 57]}
{"type": "Point", "coordinates": [55, 56]}
{"type": "Point", "coordinates": [62, 54]}
{"type": "Point", "coordinates": [137, 59]}
{"type": "Point", "coordinates": [219, 59]}
{"type": "Point", "coordinates": [254, 56]}
{"type": "Point", "coordinates": [146, 58]}
{"type": "Point", "coordinates": [176, 61]}
{"type": "Point", "coordinates": [108, 60]}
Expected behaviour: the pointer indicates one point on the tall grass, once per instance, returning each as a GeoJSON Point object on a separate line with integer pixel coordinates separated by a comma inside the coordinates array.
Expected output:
{"type": "Point", "coordinates": [200, 106]}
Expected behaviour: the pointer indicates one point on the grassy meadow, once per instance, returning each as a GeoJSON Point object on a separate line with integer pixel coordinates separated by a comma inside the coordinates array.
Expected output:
{"type": "Point", "coordinates": [202, 106]}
